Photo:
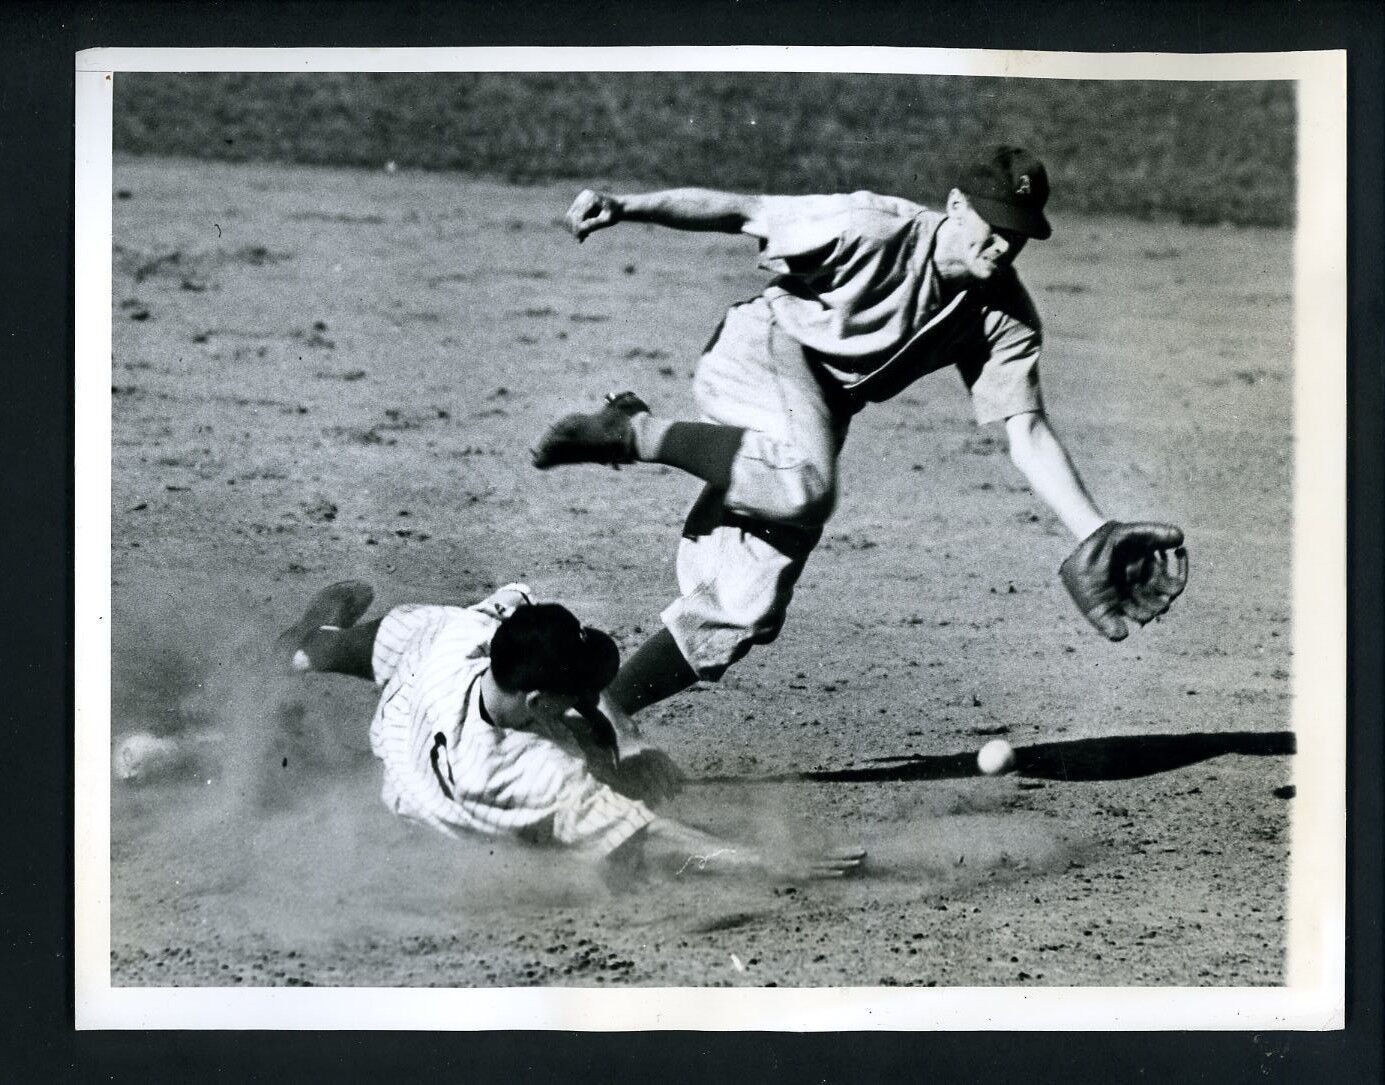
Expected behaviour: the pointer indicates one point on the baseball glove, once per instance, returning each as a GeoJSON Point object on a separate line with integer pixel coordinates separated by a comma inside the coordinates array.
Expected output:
{"type": "Point", "coordinates": [1126, 571]}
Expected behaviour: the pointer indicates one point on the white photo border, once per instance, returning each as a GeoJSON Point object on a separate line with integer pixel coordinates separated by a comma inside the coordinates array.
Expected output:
{"type": "Point", "coordinates": [1313, 996]}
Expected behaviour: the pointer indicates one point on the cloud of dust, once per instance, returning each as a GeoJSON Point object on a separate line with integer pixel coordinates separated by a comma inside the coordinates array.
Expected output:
{"type": "Point", "coordinates": [273, 824]}
{"type": "Point", "coordinates": [924, 843]}
{"type": "Point", "coordinates": [969, 837]}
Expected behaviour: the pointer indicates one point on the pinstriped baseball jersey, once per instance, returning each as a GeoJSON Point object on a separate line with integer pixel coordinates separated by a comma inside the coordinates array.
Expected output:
{"type": "Point", "coordinates": [447, 766]}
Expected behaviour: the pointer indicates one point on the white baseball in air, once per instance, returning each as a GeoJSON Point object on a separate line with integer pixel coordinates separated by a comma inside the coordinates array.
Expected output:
{"type": "Point", "coordinates": [996, 756]}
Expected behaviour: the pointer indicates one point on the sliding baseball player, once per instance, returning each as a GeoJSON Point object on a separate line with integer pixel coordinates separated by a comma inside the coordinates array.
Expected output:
{"type": "Point", "coordinates": [490, 722]}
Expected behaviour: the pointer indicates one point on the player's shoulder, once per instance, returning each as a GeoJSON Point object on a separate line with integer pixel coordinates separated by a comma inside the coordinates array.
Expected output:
{"type": "Point", "coordinates": [862, 202]}
{"type": "Point", "coordinates": [855, 218]}
{"type": "Point", "coordinates": [874, 215]}
{"type": "Point", "coordinates": [465, 633]}
{"type": "Point", "coordinates": [890, 214]}
{"type": "Point", "coordinates": [878, 203]}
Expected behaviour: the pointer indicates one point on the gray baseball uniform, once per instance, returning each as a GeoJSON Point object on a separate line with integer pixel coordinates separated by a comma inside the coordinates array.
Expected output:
{"type": "Point", "coordinates": [855, 314]}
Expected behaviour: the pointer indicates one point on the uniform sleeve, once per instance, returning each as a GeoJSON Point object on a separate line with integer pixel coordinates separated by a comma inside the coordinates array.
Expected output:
{"type": "Point", "coordinates": [522, 782]}
{"type": "Point", "coordinates": [798, 231]}
{"type": "Point", "coordinates": [1002, 370]}
{"type": "Point", "coordinates": [593, 817]}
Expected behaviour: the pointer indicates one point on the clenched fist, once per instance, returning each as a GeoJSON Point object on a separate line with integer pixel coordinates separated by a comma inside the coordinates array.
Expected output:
{"type": "Point", "coordinates": [591, 211]}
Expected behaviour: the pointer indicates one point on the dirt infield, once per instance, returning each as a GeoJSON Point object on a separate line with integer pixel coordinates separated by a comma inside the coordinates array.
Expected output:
{"type": "Point", "coordinates": [320, 374]}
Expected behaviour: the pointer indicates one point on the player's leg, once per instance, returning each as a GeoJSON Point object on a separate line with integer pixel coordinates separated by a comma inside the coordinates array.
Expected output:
{"type": "Point", "coordinates": [654, 672]}
{"type": "Point", "coordinates": [327, 638]}
{"type": "Point", "coordinates": [624, 431]}
{"type": "Point", "coordinates": [735, 591]}
{"type": "Point", "coordinates": [756, 382]}
{"type": "Point", "coordinates": [737, 569]}
{"type": "Point", "coordinates": [737, 578]}
{"type": "Point", "coordinates": [768, 440]}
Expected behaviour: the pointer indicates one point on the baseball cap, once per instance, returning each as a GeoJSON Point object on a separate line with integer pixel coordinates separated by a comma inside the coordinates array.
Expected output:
{"type": "Point", "coordinates": [1008, 186]}
{"type": "Point", "coordinates": [542, 646]}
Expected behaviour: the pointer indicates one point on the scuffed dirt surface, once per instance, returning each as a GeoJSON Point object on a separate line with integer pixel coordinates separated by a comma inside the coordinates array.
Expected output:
{"type": "Point", "coordinates": [320, 374]}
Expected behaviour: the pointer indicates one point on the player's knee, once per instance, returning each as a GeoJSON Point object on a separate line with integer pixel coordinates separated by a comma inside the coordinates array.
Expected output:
{"type": "Point", "coordinates": [735, 645]}
{"type": "Point", "coordinates": [757, 621]}
{"type": "Point", "coordinates": [743, 623]}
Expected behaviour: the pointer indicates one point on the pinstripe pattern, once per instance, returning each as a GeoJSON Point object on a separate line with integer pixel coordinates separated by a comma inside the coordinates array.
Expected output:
{"type": "Point", "coordinates": [445, 766]}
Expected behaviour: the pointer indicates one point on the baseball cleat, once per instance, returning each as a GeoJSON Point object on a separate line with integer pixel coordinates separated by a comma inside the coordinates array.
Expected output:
{"type": "Point", "coordinates": [337, 606]}
{"type": "Point", "coordinates": [603, 437]}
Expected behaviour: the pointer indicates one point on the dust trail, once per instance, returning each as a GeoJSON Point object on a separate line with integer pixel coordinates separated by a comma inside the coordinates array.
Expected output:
{"type": "Point", "coordinates": [946, 854]}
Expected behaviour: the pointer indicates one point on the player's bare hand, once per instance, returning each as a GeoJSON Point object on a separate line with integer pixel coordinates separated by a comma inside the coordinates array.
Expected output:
{"type": "Point", "coordinates": [834, 863]}
{"type": "Point", "coordinates": [591, 211]}
{"type": "Point", "coordinates": [649, 775]}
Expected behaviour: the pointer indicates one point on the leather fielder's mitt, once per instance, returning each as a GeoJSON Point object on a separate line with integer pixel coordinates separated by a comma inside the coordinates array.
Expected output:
{"type": "Point", "coordinates": [1126, 571]}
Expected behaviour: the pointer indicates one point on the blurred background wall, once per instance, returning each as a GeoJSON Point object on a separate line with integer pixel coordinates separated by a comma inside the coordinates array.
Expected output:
{"type": "Point", "coordinates": [1195, 152]}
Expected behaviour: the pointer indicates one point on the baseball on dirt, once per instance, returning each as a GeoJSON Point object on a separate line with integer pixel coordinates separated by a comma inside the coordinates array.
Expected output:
{"type": "Point", "coordinates": [996, 756]}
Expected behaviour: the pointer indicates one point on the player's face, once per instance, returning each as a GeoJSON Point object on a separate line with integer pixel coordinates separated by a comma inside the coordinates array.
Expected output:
{"type": "Point", "coordinates": [983, 249]}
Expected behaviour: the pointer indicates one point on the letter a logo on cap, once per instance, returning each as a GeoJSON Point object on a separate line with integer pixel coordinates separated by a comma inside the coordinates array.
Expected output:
{"type": "Point", "coordinates": [1008, 187]}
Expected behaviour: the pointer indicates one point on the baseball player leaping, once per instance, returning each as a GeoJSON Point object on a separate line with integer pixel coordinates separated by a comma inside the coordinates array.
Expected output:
{"type": "Point", "coordinates": [870, 293]}
{"type": "Point", "coordinates": [490, 721]}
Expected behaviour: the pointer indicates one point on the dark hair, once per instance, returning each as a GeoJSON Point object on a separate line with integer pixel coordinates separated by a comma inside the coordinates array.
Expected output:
{"type": "Point", "coordinates": [543, 647]}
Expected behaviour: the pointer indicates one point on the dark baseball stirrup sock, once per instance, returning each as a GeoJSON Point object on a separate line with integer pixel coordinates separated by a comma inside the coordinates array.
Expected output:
{"type": "Point", "coordinates": [704, 449]}
{"type": "Point", "coordinates": [657, 670]}
{"type": "Point", "coordinates": [343, 651]}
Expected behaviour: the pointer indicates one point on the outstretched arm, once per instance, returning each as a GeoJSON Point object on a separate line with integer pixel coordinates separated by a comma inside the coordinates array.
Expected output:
{"type": "Point", "coordinates": [1040, 456]}
{"type": "Point", "coordinates": [679, 849]}
{"type": "Point", "coordinates": [679, 208]}
{"type": "Point", "coordinates": [1118, 571]}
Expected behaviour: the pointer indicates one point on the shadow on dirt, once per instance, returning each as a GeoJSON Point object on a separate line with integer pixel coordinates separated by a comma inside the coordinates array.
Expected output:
{"type": "Point", "coordinates": [1123, 757]}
